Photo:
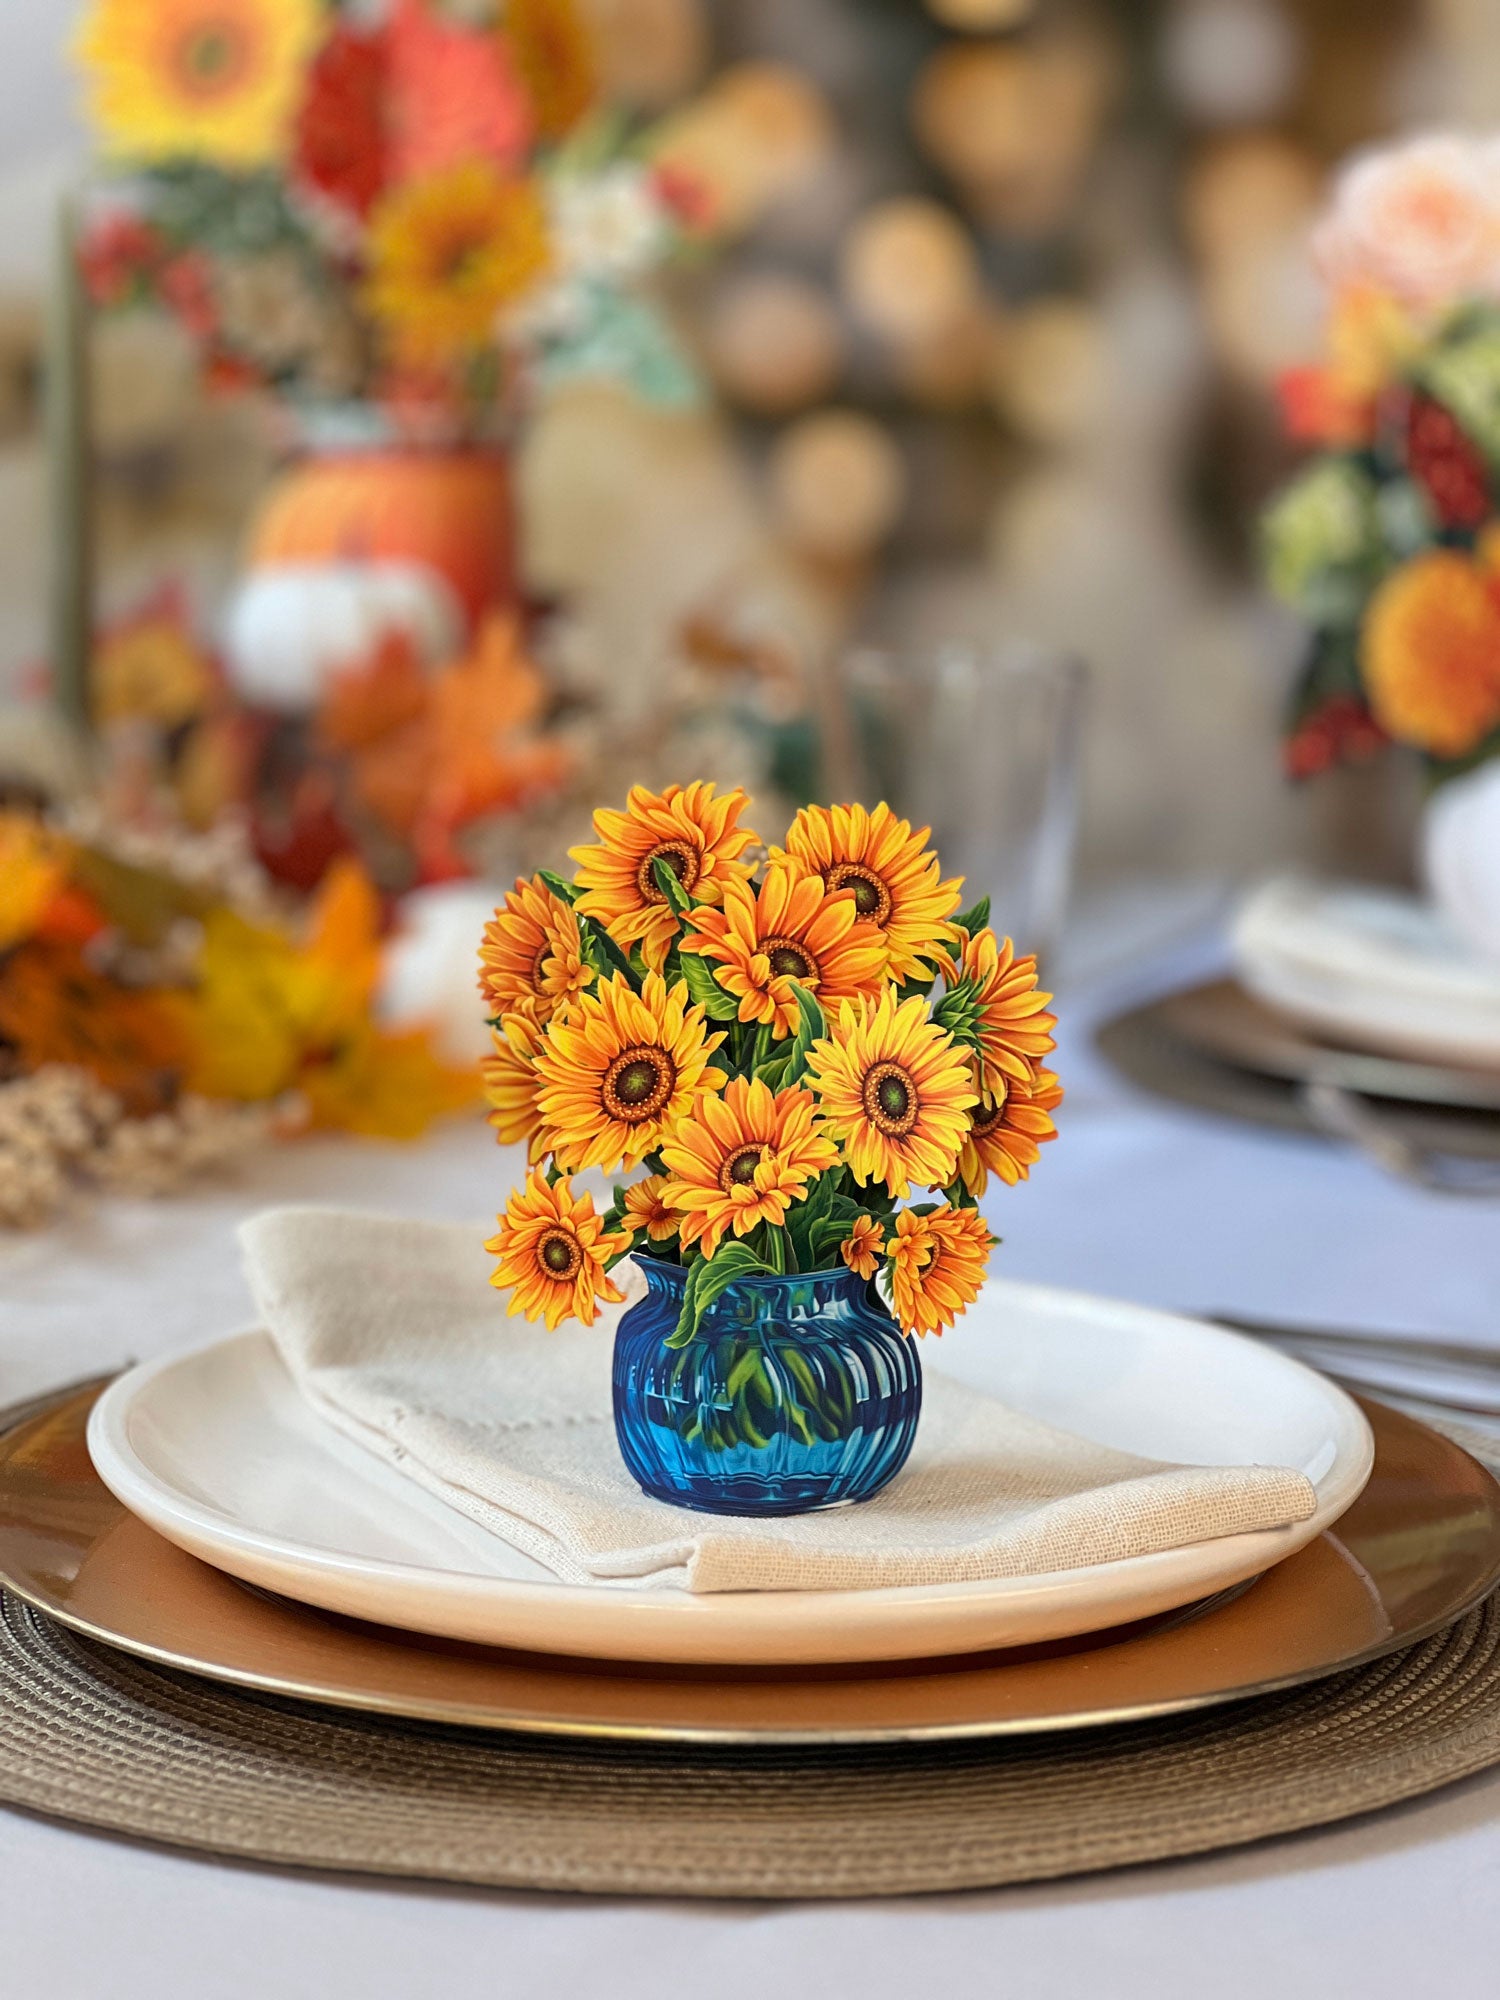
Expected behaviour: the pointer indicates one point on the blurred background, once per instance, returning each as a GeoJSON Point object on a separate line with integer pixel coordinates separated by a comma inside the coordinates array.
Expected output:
{"type": "Point", "coordinates": [988, 334]}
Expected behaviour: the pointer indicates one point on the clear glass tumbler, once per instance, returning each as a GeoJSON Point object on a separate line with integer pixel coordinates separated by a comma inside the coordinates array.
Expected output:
{"type": "Point", "coordinates": [981, 744]}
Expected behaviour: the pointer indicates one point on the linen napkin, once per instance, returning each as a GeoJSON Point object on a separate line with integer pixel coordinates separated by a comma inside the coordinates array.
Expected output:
{"type": "Point", "coordinates": [392, 1332]}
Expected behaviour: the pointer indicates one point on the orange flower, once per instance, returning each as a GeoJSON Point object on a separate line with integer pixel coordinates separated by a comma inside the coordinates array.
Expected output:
{"type": "Point", "coordinates": [620, 1070]}
{"type": "Point", "coordinates": [448, 253]}
{"type": "Point", "coordinates": [864, 1246]}
{"type": "Point", "coordinates": [531, 955]}
{"type": "Point", "coordinates": [1010, 1015]}
{"type": "Point", "coordinates": [897, 884]}
{"type": "Point", "coordinates": [744, 1158]}
{"type": "Point", "coordinates": [793, 930]}
{"type": "Point", "coordinates": [554, 1254]}
{"type": "Point", "coordinates": [55, 1008]}
{"type": "Point", "coordinates": [646, 1209]}
{"type": "Point", "coordinates": [1008, 1130]}
{"type": "Point", "coordinates": [937, 1266]}
{"type": "Point", "coordinates": [696, 835]}
{"type": "Point", "coordinates": [551, 47]}
{"type": "Point", "coordinates": [510, 1084]}
{"type": "Point", "coordinates": [893, 1090]}
{"type": "Point", "coordinates": [32, 871]}
{"type": "Point", "coordinates": [1431, 654]}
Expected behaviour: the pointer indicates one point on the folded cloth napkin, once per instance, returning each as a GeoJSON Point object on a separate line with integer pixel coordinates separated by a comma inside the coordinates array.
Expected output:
{"type": "Point", "coordinates": [391, 1330]}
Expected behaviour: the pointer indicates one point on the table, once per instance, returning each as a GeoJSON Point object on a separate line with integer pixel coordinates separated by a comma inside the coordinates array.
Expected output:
{"type": "Point", "coordinates": [1142, 1199]}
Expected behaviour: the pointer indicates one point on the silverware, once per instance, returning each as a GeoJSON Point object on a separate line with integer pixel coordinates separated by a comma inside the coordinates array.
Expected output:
{"type": "Point", "coordinates": [1343, 1114]}
{"type": "Point", "coordinates": [1441, 1373]}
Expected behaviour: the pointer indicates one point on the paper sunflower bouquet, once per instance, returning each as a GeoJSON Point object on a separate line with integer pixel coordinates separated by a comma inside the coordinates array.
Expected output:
{"type": "Point", "coordinates": [809, 1064]}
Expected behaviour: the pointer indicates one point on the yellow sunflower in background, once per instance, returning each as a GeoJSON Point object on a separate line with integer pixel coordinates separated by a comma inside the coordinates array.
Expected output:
{"type": "Point", "coordinates": [531, 956]}
{"type": "Point", "coordinates": [553, 1250]}
{"type": "Point", "coordinates": [894, 1092]}
{"type": "Point", "coordinates": [448, 253]}
{"type": "Point", "coordinates": [1010, 1015]}
{"type": "Point", "coordinates": [937, 1266]}
{"type": "Point", "coordinates": [793, 930]}
{"type": "Point", "coordinates": [693, 833]}
{"type": "Point", "coordinates": [1007, 1132]}
{"type": "Point", "coordinates": [646, 1209]}
{"type": "Point", "coordinates": [216, 80]}
{"type": "Point", "coordinates": [620, 1070]}
{"type": "Point", "coordinates": [897, 883]}
{"type": "Point", "coordinates": [864, 1246]}
{"type": "Point", "coordinates": [743, 1159]}
{"type": "Point", "coordinates": [508, 1078]}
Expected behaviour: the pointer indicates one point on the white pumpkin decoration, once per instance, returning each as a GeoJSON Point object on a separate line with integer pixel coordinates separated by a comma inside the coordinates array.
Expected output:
{"type": "Point", "coordinates": [1461, 855]}
{"type": "Point", "coordinates": [291, 626]}
{"type": "Point", "coordinates": [430, 974]}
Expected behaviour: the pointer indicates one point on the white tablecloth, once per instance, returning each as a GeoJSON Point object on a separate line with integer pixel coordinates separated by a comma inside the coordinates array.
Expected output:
{"type": "Point", "coordinates": [1138, 1198]}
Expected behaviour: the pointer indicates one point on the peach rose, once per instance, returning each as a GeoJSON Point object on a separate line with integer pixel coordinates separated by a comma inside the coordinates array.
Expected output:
{"type": "Point", "coordinates": [1419, 221]}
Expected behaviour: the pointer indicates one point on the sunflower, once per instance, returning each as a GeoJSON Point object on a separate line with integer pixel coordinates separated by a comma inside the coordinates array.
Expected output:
{"type": "Point", "coordinates": [897, 884]}
{"type": "Point", "coordinates": [215, 80]}
{"type": "Point", "coordinates": [620, 1070]}
{"type": "Point", "coordinates": [937, 1266]}
{"type": "Point", "coordinates": [645, 1209]}
{"type": "Point", "coordinates": [696, 835]}
{"type": "Point", "coordinates": [554, 1252]}
{"type": "Point", "coordinates": [1010, 1017]}
{"type": "Point", "coordinates": [531, 956]}
{"type": "Point", "coordinates": [1008, 1130]}
{"type": "Point", "coordinates": [449, 252]}
{"type": "Point", "coordinates": [864, 1246]}
{"type": "Point", "coordinates": [1431, 654]}
{"type": "Point", "coordinates": [893, 1091]}
{"type": "Point", "coordinates": [744, 1158]}
{"type": "Point", "coordinates": [510, 1083]}
{"type": "Point", "coordinates": [792, 931]}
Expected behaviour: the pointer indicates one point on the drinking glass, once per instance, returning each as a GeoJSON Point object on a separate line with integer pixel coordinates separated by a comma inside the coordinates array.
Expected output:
{"type": "Point", "coordinates": [981, 744]}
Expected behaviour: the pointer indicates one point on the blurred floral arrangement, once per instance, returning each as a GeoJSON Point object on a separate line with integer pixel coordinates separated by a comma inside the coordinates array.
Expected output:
{"type": "Point", "coordinates": [158, 1015]}
{"type": "Point", "coordinates": [408, 206]}
{"type": "Point", "coordinates": [1388, 543]}
{"type": "Point", "coordinates": [757, 1029]}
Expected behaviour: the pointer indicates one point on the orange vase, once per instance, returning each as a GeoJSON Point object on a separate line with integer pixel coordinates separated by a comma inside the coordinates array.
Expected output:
{"type": "Point", "coordinates": [447, 507]}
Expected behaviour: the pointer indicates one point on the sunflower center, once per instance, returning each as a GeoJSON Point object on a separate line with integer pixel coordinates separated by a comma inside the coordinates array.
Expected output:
{"type": "Point", "coordinates": [210, 56]}
{"type": "Point", "coordinates": [789, 960]}
{"type": "Point", "coordinates": [638, 1083]}
{"type": "Point", "coordinates": [680, 857]}
{"type": "Point", "coordinates": [871, 897]}
{"type": "Point", "coordinates": [890, 1100]}
{"type": "Point", "coordinates": [739, 1169]}
{"type": "Point", "coordinates": [984, 1117]}
{"type": "Point", "coordinates": [559, 1255]}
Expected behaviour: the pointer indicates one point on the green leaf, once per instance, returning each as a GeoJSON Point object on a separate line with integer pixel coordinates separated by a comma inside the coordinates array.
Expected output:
{"type": "Point", "coordinates": [704, 990]}
{"type": "Point", "coordinates": [974, 919]}
{"type": "Point", "coordinates": [915, 989]}
{"type": "Point", "coordinates": [709, 1277]}
{"type": "Point", "coordinates": [772, 1073]}
{"type": "Point", "coordinates": [601, 951]}
{"type": "Point", "coordinates": [811, 1027]}
{"type": "Point", "coordinates": [958, 1013]}
{"type": "Point", "coordinates": [566, 892]}
{"type": "Point", "coordinates": [671, 888]}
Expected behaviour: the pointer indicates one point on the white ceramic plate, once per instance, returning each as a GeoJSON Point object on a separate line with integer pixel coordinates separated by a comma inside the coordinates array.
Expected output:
{"type": "Point", "coordinates": [1371, 968]}
{"type": "Point", "coordinates": [216, 1451]}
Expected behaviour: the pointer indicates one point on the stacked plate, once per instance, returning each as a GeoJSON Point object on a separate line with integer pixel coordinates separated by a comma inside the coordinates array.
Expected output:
{"type": "Point", "coordinates": [139, 1514]}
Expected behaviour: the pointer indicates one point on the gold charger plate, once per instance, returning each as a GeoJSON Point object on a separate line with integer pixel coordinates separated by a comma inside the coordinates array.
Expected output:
{"type": "Point", "coordinates": [1214, 1045]}
{"type": "Point", "coordinates": [1419, 1548]}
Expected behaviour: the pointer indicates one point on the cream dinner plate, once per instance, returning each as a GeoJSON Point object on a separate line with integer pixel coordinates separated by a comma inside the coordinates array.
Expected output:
{"type": "Point", "coordinates": [215, 1450]}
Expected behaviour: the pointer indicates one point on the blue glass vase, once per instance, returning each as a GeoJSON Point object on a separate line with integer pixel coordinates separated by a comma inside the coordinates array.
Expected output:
{"type": "Point", "coordinates": [796, 1392]}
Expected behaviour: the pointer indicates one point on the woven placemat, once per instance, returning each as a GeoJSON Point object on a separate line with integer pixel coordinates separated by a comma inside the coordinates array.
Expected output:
{"type": "Point", "coordinates": [95, 1737]}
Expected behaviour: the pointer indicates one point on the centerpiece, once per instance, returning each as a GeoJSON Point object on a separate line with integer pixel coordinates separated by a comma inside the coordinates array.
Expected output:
{"type": "Point", "coordinates": [780, 1046]}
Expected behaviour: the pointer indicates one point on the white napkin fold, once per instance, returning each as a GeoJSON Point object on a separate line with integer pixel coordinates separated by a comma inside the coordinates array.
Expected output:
{"type": "Point", "coordinates": [392, 1332]}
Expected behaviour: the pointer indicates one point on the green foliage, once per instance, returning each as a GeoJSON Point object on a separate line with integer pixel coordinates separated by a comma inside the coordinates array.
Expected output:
{"type": "Point", "coordinates": [703, 989]}
{"type": "Point", "coordinates": [1325, 541]}
{"type": "Point", "coordinates": [958, 1013]}
{"type": "Point", "coordinates": [671, 888]}
{"type": "Point", "coordinates": [601, 951]}
{"type": "Point", "coordinates": [564, 890]}
{"type": "Point", "coordinates": [811, 1027]}
{"type": "Point", "coordinates": [707, 1279]}
{"type": "Point", "coordinates": [974, 919]}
